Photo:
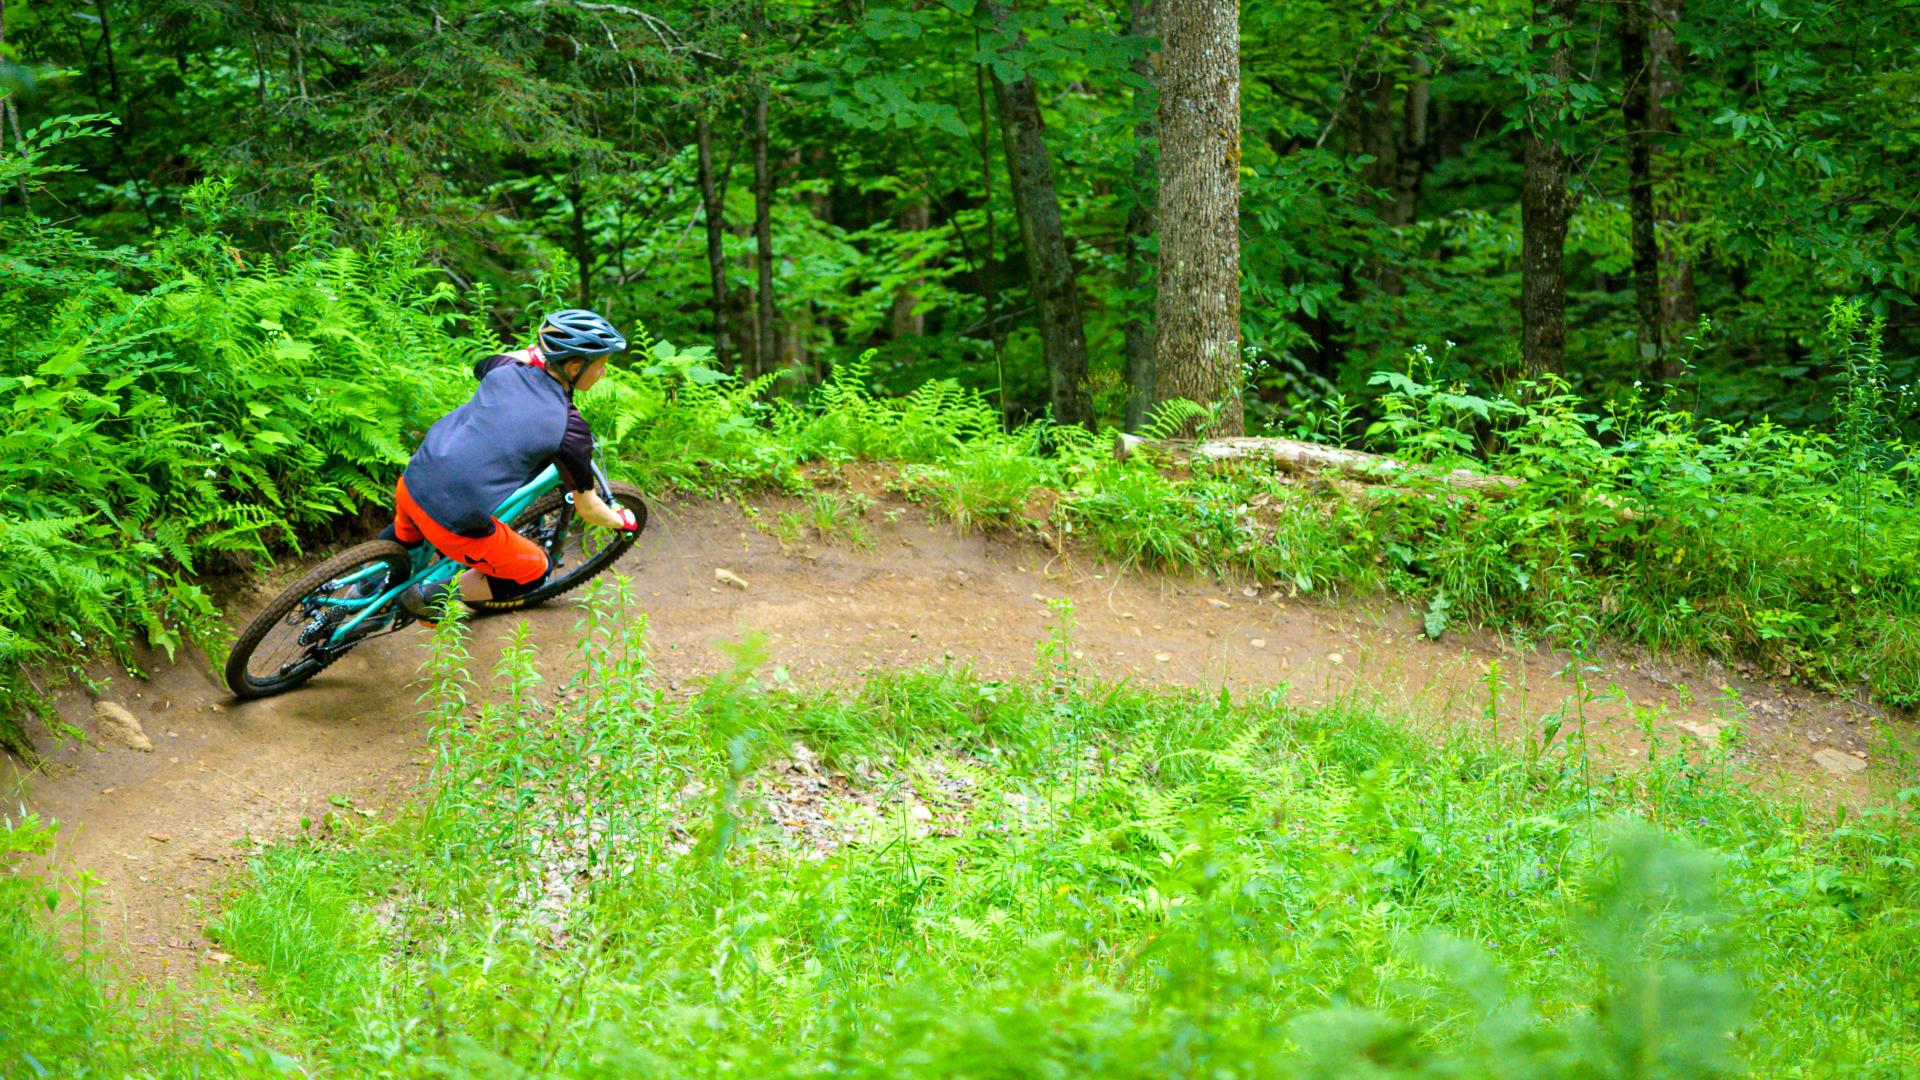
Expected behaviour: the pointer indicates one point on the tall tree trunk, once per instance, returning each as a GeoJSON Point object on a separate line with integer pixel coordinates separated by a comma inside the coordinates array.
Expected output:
{"type": "Point", "coordinates": [1412, 154]}
{"type": "Point", "coordinates": [1379, 139]}
{"type": "Point", "coordinates": [582, 250]}
{"type": "Point", "coordinates": [1545, 206]}
{"type": "Point", "coordinates": [1050, 272]}
{"type": "Point", "coordinates": [1678, 309]}
{"type": "Point", "coordinates": [1646, 247]}
{"type": "Point", "coordinates": [797, 319]}
{"type": "Point", "coordinates": [1198, 308]}
{"type": "Point", "coordinates": [1137, 267]}
{"type": "Point", "coordinates": [989, 279]}
{"type": "Point", "coordinates": [259, 73]}
{"type": "Point", "coordinates": [795, 330]}
{"type": "Point", "coordinates": [765, 348]}
{"type": "Point", "coordinates": [905, 320]}
{"type": "Point", "coordinates": [10, 116]}
{"type": "Point", "coordinates": [125, 135]}
{"type": "Point", "coordinates": [6, 106]}
{"type": "Point", "coordinates": [715, 213]}
{"type": "Point", "coordinates": [300, 61]}
{"type": "Point", "coordinates": [1400, 161]}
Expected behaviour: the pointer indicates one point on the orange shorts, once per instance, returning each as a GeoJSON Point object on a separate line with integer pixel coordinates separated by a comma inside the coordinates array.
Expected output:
{"type": "Point", "coordinates": [502, 553]}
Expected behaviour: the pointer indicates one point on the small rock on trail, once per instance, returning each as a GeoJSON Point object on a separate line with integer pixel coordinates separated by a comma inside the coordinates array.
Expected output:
{"type": "Point", "coordinates": [1839, 762]}
{"type": "Point", "coordinates": [113, 723]}
{"type": "Point", "coordinates": [1707, 732]}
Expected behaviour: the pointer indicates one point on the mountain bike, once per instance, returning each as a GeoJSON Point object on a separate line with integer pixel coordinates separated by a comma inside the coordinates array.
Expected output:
{"type": "Point", "coordinates": [355, 595]}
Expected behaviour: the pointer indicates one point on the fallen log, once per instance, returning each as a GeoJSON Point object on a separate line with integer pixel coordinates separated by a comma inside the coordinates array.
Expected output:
{"type": "Point", "coordinates": [1308, 457]}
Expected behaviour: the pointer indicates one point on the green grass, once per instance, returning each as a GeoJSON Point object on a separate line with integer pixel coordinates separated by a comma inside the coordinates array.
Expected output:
{"type": "Point", "coordinates": [1052, 877]}
{"type": "Point", "coordinates": [66, 1012]}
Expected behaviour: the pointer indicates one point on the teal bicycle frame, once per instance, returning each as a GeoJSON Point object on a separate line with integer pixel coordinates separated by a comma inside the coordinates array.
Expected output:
{"type": "Point", "coordinates": [429, 565]}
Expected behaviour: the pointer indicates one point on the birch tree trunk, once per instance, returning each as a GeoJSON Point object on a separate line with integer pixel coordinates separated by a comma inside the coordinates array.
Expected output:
{"type": "Point", "coordinates": [1545, 208]}
{"type": "Point", "coordinates": [1634, 115]}
{"type": "Point", "coordinates": [1138, 263]}
{"type": "Point", "coordinates": [1050, 271]}
{"type": "Point", "coordinates": [1197, 313]}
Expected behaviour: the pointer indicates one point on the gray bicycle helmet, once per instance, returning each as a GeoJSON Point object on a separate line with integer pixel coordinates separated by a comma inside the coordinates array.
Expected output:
{"type": "Point", "coordinates": [578, 332]}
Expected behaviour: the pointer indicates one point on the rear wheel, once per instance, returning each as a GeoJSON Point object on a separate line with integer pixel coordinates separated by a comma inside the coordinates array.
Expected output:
{"type": "Point", "coordinates": [576, 551]}
{"type": "Point", "coordinates": [291, 641]}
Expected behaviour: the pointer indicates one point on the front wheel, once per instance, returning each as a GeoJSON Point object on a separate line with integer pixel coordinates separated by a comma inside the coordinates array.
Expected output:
{"type": "Point", "coordinates": [576, 551]}
{"type": "Point", "coordinates": [291, 641]}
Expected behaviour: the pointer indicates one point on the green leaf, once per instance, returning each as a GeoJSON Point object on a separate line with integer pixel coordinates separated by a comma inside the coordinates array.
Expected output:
{"type": "Point", "coordinates": [68, 361]}
{"type": "Point", "coordinates": [1435, 620]}
{"type": "Point", "coordinates": [1396, 381]}
{"type": "Point", "coordinates": [162, 638]}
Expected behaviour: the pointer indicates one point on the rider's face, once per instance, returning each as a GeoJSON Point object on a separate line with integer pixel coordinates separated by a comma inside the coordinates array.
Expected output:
{"type": "Point", "coordinates": [590, 373]}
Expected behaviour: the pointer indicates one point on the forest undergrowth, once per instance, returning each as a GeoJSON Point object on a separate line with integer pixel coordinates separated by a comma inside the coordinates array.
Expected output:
{"type": "Point", "coordinates": [939, 875]}
{"type": "Point", "coordinates": [185, 411]}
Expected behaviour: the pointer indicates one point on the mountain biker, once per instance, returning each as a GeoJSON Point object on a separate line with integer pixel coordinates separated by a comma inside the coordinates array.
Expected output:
{"type": "Point", "coordinates": [520, 418]}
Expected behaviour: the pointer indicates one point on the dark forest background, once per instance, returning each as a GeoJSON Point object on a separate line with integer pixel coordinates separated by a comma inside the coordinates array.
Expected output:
{"type": "Point", "coordinates": [798, 182]}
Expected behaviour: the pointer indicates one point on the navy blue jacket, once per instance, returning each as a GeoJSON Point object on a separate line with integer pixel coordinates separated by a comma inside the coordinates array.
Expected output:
{"type": "Point", "coordinates": [519, 419]}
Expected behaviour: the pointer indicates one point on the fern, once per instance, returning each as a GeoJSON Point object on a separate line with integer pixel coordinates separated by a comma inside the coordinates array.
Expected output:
{"type": "Point", "coordinates": [225, 410]}
{"type": "Point", "coordinates": [1176, 417]}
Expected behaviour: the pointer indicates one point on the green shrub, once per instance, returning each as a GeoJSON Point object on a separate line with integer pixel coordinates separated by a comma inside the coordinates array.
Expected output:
{"type": "Point", "coordinates": [1125, 883]}
{"type": "Point", "coordinates": [175, 412]}
{"type": "Point", "coordinates": [1792, 549]}
{"type": "Point", "coordinates": [68, 1013]}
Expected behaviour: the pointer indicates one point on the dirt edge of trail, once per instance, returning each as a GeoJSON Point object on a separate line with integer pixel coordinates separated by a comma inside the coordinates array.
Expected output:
{"type": "Point", "coordinates": [162, 829]}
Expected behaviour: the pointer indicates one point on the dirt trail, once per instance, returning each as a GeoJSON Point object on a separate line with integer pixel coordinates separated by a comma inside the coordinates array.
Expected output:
{"type": "Point", "coordinates": [158, 829]}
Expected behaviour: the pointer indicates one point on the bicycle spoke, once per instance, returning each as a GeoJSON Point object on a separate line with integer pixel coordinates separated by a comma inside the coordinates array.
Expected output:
{"type": "Point", "coordinates": [569, 542]}
{"type": "Point", "coordinates": [302, 636]}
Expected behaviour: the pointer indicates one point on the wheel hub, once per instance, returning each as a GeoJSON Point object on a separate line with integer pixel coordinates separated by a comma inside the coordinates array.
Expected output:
{"type": "Point", "coordinates": [320, 626]}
